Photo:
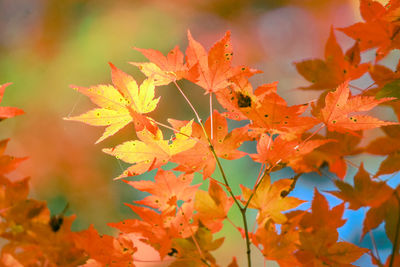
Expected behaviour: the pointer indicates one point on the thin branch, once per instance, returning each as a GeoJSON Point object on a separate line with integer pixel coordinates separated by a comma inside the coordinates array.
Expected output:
{"type": "Point", "coordinates": [228, 187]}
{"type": "Point", "coordinates": [179, 132]}
{"type": "Point", "coordinates": [378, 257]}
{"type": "Point", "coordinates": [396, 237]}
{"type": "Point", "coordinates": [193, 237]}
{"type": "Point", "coordinates": [246, 232]}
{"type": "Point", "coordinates": [211, 117]}
{"type": "Point", "coordinates": [188, 101]}
{"type": "Point", "coordinates": [255, 189]}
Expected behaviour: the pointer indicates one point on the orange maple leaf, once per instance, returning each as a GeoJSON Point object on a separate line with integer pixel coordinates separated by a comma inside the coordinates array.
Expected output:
{"type": "Point", "coordinates": [335, 69]}
{"type": "Point", "coordinates": [163, 69]}
{"type": "Point", "coordinates": [225, 144]}
{"type": "Point", "coordinates": [166, 190]}
{"type": "Point", "coordinates": [280, 151]}
{"type": "Point", "coordinates": [8, 112]}
{"type": "Point", "coordinates": [214, 68]}
{"type": "Point", "coordinates": [380, 29]}
{"type": "Point", "coordinates": [339, 104]}
{"type": "Point", "coordinates": [387, 146]}
{"type": "Point", "coordinates": [8, 163]}
{"type": "Point", "coordinates": [160, 229]}
{"type": "Point", "coordinates": [365, 192]}
{"type": "Point", "coordinates": [334, 152]}
{"type": "Point", "coordinates": [106, 250]}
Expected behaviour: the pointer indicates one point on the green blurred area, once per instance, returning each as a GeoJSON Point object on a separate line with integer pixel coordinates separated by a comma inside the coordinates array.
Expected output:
{"type": "Point", "coordinates": [47, 45]}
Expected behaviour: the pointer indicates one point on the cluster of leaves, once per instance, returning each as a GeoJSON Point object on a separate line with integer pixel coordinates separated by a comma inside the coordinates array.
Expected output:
{"type": "Point", "coordinates": [177, 218]}
{"type": "Point", "coordinates": [32, 237]}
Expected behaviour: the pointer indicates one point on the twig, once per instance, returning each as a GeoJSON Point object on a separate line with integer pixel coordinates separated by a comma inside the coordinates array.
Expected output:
{"type": "Point", "coordinates": [374, 245]}
{"type": "Point", "coordinates": [228, 187]}
{"type": "Point", "coordinates": [211, 117]}
{"type": "Point", "coordinates": [396, 237]}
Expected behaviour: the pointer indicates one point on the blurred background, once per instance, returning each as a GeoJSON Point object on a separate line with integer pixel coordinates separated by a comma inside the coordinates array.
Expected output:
{"type": "Point", "coordinates": [47, 45]}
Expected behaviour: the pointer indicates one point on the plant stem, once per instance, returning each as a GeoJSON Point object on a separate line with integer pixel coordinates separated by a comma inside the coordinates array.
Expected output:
{"type": "Point", "coordinates": [211, 117]}
{"type": "Point", "coordinates": [396, 237]}
{"type": "Point", "coordinates": [374, 246]}
{"type": "Point", "coordinates": [228, 187]}
{"type": "Point", "coordinates": [246, 231]}
{"type": "Point", "coordinates": [255, 189]}
{"type": "Point", "coordinates": [188, 101]}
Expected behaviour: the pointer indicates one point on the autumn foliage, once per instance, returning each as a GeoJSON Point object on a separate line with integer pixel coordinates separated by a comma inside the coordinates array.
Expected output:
{"type": "Point", "coordinates": [179, 220]}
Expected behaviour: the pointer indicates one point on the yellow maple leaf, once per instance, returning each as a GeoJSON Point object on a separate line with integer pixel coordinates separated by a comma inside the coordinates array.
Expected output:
{"type": "Point", "coordinates": [151, 151]}
{"type": "Point", "coordinates": [269, 201]}
{"type": "Point", "coordinates": [119, 104]}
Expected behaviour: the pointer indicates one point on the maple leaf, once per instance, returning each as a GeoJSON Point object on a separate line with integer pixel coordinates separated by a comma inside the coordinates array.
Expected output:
{"type": "Point", "coordinates": [189, 254]}
{"type": "Point", "coordinates": [8, 163]}
{"type": "Point", "coordinates": [281, 246]}
{"type": "Point", "coordinates": [163, 69]}
{"type": "Point", "coordinates": [152, 151]}
{"type": "Point", "coordinates": [387, 146]}
{"type": "Point", "coordinates": [214, 68]}
{"type": "Point", "coordinates": [212, 206]}
{"type": "Point", "coordinates": [166, 190]}
{"type": "Point", "coordinates": [383, 75]}
{"type": "Point", "coordinates": [318, 236]}
{"type": "Point", "coordinates": [387, 212]}
{"type": "Point", "coordinates": [320, 248]}
{"type": "Point", "coordinates": [160, 229]}
{"type": "Point", "coordinates": [321, 216]}
{"type": "Point", "coordinates": [334, 152]}
{"type": "Point", "coordinates": [225, 144]}
{"type": "Point", "coordinates": [270, 112]}
{"type": "Point", "coordinates": [269, 201]}
{"type": "Point", "coordinates": [365, 191]}
{"type": "Point", "coordinates": [279, 151]}
{"type": "Point", "coordinates": [8, 112]}
{"type": "Point", "coordinates": [11, 192]}
{"type": "Point", "coordinates": [335, 69]}
{"type": "Point", "coordinates": [379, 29]}
{"type": "Point", "coordinates": [105, 249]}
{"type": "Point", "coordinates": [119, 104]}
{"type": "Point", "coordinates": [338, 107]}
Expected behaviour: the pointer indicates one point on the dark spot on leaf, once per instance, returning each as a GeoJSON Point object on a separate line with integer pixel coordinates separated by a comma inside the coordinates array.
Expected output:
{"type": "Point", "coordinates": [56, 222]}
{"type": "Point", "coordinates": [172, 252]}
{"type": "Point", "coordinates": [244, 101]}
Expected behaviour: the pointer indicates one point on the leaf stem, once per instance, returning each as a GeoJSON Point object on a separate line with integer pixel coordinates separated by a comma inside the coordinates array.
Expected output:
{"type": "Point", "coordinates": [255, 189]}
{"type": "Point", "coordinates": [194, 238]}
{"type": "Point", "coordinates": [188, 101]}
{"type": "Point", "coordinates": [179, 132]}
{"type": "Point", "coordinates": [375, 247]}
{"type": "Point", "coordinates": [396, 237]}
{"type": "Point", "coordinates": [211, 117]}
{"type": "Point", "coordinates": [228, 187]}
{"type": "Point", "coordinates": [246, 232]}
